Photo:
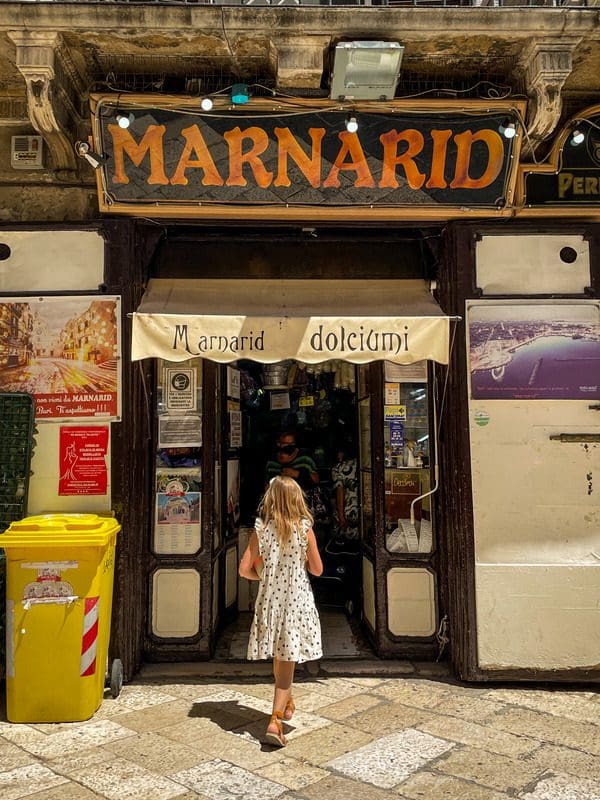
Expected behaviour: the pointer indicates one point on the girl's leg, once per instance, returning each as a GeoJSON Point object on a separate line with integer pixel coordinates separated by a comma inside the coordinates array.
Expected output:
{"type": "Point", "coordinates": [283, 672]}
{"type": "Point", "coordinates": [288, 713]}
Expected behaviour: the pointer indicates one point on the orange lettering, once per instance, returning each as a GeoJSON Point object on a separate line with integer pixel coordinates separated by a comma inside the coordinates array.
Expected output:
{"type": "Point", "coordinates": [437, 179]}
{"type": "Point", "coordinates": [310, 166]}
{"type": "Point", "coordinates": [464, 143]}
{"type": "Point", "coordinates": [194, 143]}
{"type": "Point", "coordinates": [391, 159]}
{"type": "Point", "coordinates": [237, 158]}
{"type": "Point", "coordinates": [151, 142]}
{"type": "Point", "coordinates": [350, 146]}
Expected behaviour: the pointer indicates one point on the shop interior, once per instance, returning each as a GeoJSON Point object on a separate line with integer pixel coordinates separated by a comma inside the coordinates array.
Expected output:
{"type": "Point", "coordinates": [328, 409]}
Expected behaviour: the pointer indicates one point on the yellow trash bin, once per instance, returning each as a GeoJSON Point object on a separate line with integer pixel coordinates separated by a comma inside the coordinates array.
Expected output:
{"type": "Point", "coordinates": [59, 585]}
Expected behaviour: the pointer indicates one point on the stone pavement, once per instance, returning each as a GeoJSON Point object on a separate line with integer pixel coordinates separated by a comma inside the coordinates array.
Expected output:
{"type": "Point", "coordinates": [380, 730]}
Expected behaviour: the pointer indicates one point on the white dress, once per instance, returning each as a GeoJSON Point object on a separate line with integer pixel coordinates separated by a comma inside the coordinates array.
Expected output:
{"type": "Point", "coordinates": [286, 623]}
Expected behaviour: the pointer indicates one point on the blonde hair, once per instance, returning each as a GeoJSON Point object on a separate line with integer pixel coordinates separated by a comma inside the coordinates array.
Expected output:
{"type": "Point", "coordinates": [284, 503]}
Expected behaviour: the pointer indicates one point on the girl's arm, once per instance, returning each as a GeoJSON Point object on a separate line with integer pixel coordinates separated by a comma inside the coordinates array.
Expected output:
{"type": "Point", "coordinates": [313, 559]}
{"type": "Point", "coordinates": [246, 569]}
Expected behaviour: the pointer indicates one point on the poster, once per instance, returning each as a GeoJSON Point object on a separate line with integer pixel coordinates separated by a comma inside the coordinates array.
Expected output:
{"type": "Point", "coordinates": [82, 456]}
{"type": "Point", "coordinates": [177, 523]}
{"type": "Point", "coordinates": [396, 437]}
{"type": "Point", "coordinates": [180, 387]}
{"type": "Point", "coordinates": [233, 383]}
{"type": "Point", "coordinates": [65, 351]}
{"type": "Point", "coordinates": [406, 373]}
{"type": "Point", "coordinates": [392, 394]}
{"type": "Point", "coordinates": [233, 496]}
{"type": "Point", "coordinates": [176, 431]}
{"type": "Point", "coordinates": [235, 429]}
{"type": "Point", "coordinates": [545, 351]}
{"type": "Point", "coordinates": [394, 412]}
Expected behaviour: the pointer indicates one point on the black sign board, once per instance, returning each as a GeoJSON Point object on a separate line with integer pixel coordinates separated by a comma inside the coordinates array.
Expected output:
{"type": "Point", "coordinates": [576, 180]}
{"type": "Point", "coordinates": [305, 158]}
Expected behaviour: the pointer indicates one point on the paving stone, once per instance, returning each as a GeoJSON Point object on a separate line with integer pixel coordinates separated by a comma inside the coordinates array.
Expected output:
{"type": "Point", "coordinates": [71, 764]}
{"type": "Point", "coordinates": [337, 788]}
{"type": "Point", "coordinates": [489, 769]}
{"type": "Point", "coordinates": [119, 779]}
{"type": "Point", "coordinates": [189, 732]}
{"type": "Point", "coordinates": [564, 787]}
{"type": "Point", "coordinates": [549, 728]}
{"type": "Point", "coordinates": [425, 785]}
{"type": "Point", "coordinates": [292, 772]}
{"type": "Point", "coordinates": [322, 745]}
{"type": "Point", "coordinates": [349, 706]}
{"type": "Point", "coordinates": [134, 698]}
{"type": "Point", "coordinates": [157, 753]}
{"type": "Point", "coordinates": [564, 759]}
{"type": "Point", "coordinates": [496, 741]}
{"type": "Point", "coordinates": [473, 708]}
{"type": "Point", "coordinates": [219, 780]}
{"type": "Point", "coordinates": [571, 705]}
{"type": "Point", "coordinates": [82, 737]}
{"type": "Point", "coordinates": [391, 759]}
{"type": "Point", "coordinates": [307, 700]}
{"type": "Point", "coordinates": [12, 756]}
{"type": "Point", "coordinates": [245, 752]}
{"type": "Point", "coordinates": [337, 688]}
{"type": "Point", "coordinates": [158, 716]}
{"type": "Point", "coordinates": [422, 694]}
{"type": "Point", "coordinates": [27, 780]}
{"type": "Point", "coordinates": [386, 718]}
{"type": "Point", "coordinates": [69, 791]}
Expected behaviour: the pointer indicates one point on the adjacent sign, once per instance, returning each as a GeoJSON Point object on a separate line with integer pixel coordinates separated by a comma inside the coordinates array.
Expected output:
{"type": "Point", "coordinates": [575, 180]}
{"type": "Point", "coordinates": [305, 158]}
{"type": "Point", "coordinates": [82, 466]}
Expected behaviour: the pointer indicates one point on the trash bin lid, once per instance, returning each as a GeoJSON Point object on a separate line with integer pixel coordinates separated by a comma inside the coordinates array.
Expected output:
{"type": "Point", "coordinates": [60, 529]}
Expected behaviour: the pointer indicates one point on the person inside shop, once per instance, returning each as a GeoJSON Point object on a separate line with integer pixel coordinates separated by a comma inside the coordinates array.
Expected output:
{"type": "Point", "coordinates": [294, 462]}
{"type": "Point", "coordinates": [344, 476]}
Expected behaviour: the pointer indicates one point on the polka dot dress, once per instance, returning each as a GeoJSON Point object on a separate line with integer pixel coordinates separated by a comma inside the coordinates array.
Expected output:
{"type": "Point", "coordinates": [286, 623]}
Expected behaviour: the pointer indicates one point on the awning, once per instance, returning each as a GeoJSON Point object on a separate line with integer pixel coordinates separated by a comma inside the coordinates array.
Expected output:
{"type": "Point", "coordinates": [273, 320]}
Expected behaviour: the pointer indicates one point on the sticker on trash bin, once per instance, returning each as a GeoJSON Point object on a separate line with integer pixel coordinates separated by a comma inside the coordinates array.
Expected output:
{"type": "Point", "coordinates": [89, 637]}
{"type": "Point", "coordinates": [49, 584]}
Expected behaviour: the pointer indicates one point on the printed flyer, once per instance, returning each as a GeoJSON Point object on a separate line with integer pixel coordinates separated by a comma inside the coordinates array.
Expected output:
{"type": "Point", "coordinates": [83, 460]}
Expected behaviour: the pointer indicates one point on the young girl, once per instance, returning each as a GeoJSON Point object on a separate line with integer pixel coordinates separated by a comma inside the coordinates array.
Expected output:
{"type": "Point", "coordinates": [286, 625]}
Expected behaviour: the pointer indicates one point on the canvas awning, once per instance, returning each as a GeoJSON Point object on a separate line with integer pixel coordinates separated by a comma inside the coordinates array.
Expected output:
{"type": "Point", "coordinates": [273, 320]}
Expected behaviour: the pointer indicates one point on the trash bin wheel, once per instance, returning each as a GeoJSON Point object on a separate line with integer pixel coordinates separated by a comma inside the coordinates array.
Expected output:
{"type": "Point", "coordinates": [116, 677]}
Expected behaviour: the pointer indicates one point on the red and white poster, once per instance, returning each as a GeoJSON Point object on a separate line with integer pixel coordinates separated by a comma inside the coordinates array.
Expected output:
{"type": "Point", "coordinates": [65, 351]}
{"type": "Point", "coordinates": [83, 460]}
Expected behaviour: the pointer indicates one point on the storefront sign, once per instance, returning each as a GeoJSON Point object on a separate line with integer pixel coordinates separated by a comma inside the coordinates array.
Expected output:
{"type": "Point", "coordinates": [180, 385]}
{"type": "Point", "coordinates": [576, 178]}
{"type": "Point", "coordinates": [83, 460]}
{"type": "Point", "coordinates": [172, 156]}
{"type": "Point", "coordinates": [65, 351]}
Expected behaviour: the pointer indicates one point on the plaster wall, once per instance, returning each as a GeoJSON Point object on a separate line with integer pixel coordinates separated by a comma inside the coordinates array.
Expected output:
{"type": "Point", "coordinates": [535, 501]}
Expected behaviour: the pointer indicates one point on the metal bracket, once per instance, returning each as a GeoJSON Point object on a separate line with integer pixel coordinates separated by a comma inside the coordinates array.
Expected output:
{"type": "Point", "coordinates": [575, 437]}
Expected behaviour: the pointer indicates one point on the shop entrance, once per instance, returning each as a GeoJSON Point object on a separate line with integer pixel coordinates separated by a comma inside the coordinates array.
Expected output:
{"type": "Point", "coordinates": [315, 407]}
{"type": "Point", "coordinates": [345, 366]}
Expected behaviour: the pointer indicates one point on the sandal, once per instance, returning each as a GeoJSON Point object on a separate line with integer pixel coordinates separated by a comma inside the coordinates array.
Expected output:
{"type": "Point", "coordinates": [276, 739]}
{"type": "Point", "coordinates": [290, 707]}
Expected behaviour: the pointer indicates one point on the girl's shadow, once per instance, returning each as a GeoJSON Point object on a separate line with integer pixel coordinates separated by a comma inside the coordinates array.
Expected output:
{"type": "Point", "coordinates": [236, 718]}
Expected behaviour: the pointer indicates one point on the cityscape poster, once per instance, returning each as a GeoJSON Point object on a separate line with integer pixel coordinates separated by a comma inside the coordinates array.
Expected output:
{"type": "Point", "coordinates": [65, 352]}
{"type": "Point", "coordinates": [545, 351]}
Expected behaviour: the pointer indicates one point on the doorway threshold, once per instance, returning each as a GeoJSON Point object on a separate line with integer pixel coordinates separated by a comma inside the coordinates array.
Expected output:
{"type": "Point", "coordinates": [348, 668]}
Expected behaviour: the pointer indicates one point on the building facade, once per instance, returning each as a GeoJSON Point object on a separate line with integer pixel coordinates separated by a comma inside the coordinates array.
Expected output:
{"type": "Point", "coordinates": [427, 285]}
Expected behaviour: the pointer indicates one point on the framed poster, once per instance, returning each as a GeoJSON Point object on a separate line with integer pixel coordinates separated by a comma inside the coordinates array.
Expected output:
{"type": "Point", "coordinates": [177, 512]}
{"type": "Point", "coordinates": [66, 352]}
{"type": "Point", "coordinates": [541, 351]}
